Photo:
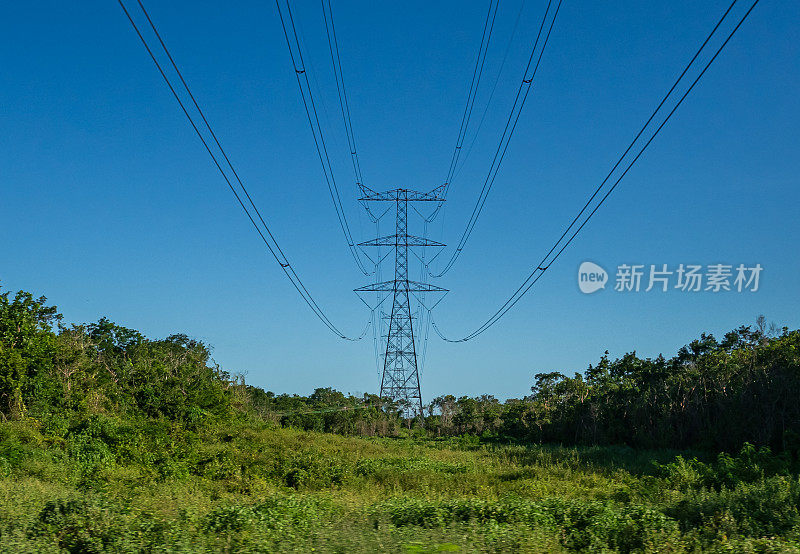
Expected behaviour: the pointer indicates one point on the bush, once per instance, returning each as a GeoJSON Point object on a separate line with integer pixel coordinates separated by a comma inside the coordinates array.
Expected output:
{"type": "Point", "coordinates": [78, 526]}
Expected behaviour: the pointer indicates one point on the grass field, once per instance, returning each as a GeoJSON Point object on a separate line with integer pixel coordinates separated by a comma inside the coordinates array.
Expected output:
{"type": "Point", "coordinates": [256, 488]}
{"type": "Point", "coordinates": [113, 442]}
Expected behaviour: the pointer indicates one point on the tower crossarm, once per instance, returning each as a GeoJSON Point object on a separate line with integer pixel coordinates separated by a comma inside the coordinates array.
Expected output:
{"type": "Point", "coordinates": [402, 240]}
{"type": "Point", "coordinates": [410, 286]}
{"type": "Point", "coordinates": [401, 194]}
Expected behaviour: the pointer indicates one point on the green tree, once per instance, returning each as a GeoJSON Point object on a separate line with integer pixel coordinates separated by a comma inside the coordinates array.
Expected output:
{"type": "Point", "coordinates": [27, 345]}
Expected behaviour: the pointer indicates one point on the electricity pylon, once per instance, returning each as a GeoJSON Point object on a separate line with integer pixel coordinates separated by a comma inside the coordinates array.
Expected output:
{"type": "Point", "coordinates": [400, 379]}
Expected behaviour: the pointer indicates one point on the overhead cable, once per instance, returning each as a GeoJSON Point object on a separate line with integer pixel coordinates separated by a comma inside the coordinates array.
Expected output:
{"type": "Point", "coordinates": [511, 124]}
{"type": "Point", "coordinates": [296, 55]}
{"type": "Point", "coordinates": [266, 235]}
{"type": "Point", "coordinates": [560, 245]}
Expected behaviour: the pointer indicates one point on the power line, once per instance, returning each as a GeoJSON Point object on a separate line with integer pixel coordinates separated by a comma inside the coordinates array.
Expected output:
{"type": "Point", "coordinates": [205, 121]}
{"type": "Point", "coordinates": [316, 129]}
{"type": "Point", "coordinates": [336, 61]}
{"type": "Point", "coordinates": [344, 105]}
{"type": "Point", "coordinates": [425, 312]}
{"type": "Point", "coordinates": [271, 243]}
{"type": "Point", "coordinates": [505, 138]}
{"type": "Point", "coordinates": [477, 73]}
{"type": "Point", "coordinates": [544, 263]}
{"type": "Point", "coordinates": [491, 94]}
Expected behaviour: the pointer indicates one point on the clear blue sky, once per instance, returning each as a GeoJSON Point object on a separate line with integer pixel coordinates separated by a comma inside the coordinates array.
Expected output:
{"type": "Point", "coordinates": [111, 207]}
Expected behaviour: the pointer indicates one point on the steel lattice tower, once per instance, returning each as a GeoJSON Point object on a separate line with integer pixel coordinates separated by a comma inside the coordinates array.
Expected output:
{"type": "Point", "coordinates": [400, 380]}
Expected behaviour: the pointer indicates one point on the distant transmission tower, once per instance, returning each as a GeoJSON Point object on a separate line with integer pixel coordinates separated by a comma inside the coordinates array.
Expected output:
{"type": "Point", "coordinates": [400, 380]}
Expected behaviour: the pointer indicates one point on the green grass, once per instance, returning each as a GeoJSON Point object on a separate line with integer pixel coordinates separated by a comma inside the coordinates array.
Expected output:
{"type": "Point", "coordinates": [253, 488]}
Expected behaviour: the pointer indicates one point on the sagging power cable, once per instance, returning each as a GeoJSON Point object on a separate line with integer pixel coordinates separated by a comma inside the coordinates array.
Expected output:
{"type": "Point", "coordinates": [477, 73]}
{"type": "Point", "coordinates": [558, 247]}
{"type": "Point", "coordinates": [266, 234]}
{"type": "Point", "coordinates": [341, 89]}
{"type": "Point", "coordinates": [511, 125]}
{"type": "Point", "coordinates": [296, 55]}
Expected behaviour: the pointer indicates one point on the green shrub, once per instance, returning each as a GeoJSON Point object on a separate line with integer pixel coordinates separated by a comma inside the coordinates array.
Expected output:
{"type": "Point", "coordinates": [78, 526]}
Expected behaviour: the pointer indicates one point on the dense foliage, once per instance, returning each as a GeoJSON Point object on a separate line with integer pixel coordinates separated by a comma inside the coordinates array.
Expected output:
{"type": "Point", "coordinates": [713, 395]}
{"type": "Point", "coordinates": [113, 442]}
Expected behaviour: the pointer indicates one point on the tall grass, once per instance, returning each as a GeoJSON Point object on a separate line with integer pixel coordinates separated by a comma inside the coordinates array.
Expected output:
{"type": "Point", "coordinates": [255, 488]}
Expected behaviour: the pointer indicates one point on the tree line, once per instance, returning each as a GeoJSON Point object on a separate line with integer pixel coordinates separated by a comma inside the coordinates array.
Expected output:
{"type": "Point", "coordinates": [713, 394]}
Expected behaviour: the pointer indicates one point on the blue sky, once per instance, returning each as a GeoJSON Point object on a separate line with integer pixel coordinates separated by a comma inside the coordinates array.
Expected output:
{"type": "Point", "coordinates": [111, 207]}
